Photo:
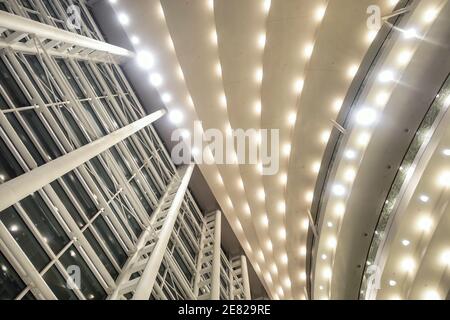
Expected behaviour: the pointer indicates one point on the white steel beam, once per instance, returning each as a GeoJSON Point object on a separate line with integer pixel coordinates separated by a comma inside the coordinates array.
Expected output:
{"type": "Point", "coordinates": [215, 275]}
{"type": "Point", "coordinates": [245, 278]}
{"type": "Point", "coordinates": [22, 186]}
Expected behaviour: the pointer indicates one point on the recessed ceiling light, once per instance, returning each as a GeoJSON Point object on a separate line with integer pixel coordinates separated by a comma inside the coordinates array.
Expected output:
{"type": "Point", "coordinates": [324, 257]}
{"type": "Point", "coordinates": [218, 70]}
{"type": "Point", "coordinates": [337, 104]}
{"type": "Point", "coordinates": [309, 196]}
{"type": "Point", "coordinates": [261, 194]}
{"type": "Point", "coordinates": [408, 264]}
{"type": "Point", "coordinates": [135, 40]}
{"type": "Point", "coordinates": [287, 149]}
{"type": "Point", "coordinates": [405, 242]}
{"type": "Point", "coordinates": [382, 98]}
{"type": "Point", "coordinates": [424, 198]}
{"type": "Point", "coordinates": [265, 220]}
{"type": "Point", "coordinates": [156, 79]}
{"type": "Point", "coordinates": [292, 118]}
{"type": "Point", "coordinates": [432, 295]}
{"type": "Point", "coordinates": [302, 276]}
{"type": "Point", "coordinates": [267, 4]}
{"type": "Point", "coordinates": [446, 152]}
{"type": "Point", "coordinates": [305, 224]}
{"type": "Point", "coordinates": [410, 33]}
{"type": "Point", "coordinates": [123, 19]}
{"type": "Point", "coordinates": [445, 258]}
{"type": "Point", "coordinates": [283, 179]}
{"type": "Point", "coordinates": [339, 190]}
{"type": "Point", "coordinates": [258, 107]}
{"type": "Point", "coordinates": [316, 167]}
{"type": "Point", "coordinates": [303, 251]}
{"type": "Point", "coordinates": [392, 283]}
{"type": "Point", "coordinates": [145, 60]}
{"type": "Point", "coordinates": [320, 13]}
{"type": "Point", "coordinates": [350, 154]}
{"type": "Point", "coordinates": [14, 228]}
{"type": "Point", "coordinates": [424, 224]}
{"type": "Point", "coordinates": [262, 40]}
{"type": "Point", "coordinates": [332, 242]}
{"type": "Point", "coordinates": [350, 175]}
{"type": "Point", "coordinates": [371, 35]}
{"type": "Point", "coordinates": [308, 50]}
{"type": "Point", "coordinates": [282, 233]}
{"type": "Point", "coordinates": [366, 116]}
{"type": "Point", "coordinates": [166, 98]}
{"type": "Point", "coordinates": [339, 209]}
{"type": "Point", "coordinates": [213, 37]}
{"type": "Point", "coordinates": [325, 136]}
{"type": "Point", "coordinates": [404, 57]}
{"type": "Point", "coordinates": [386, 76]}
{"type": "Point", "coordinates": [330, 224]}
{"type": "Point", "coordinates": [176, 117]}
{"type": "Point", "coordinates": [327, 273]}
{"type": "Point", "coordinates": [363, 139]}
{"type": "Point", "coordinates": [281, 207]}
{"type": "Point", "coordinates": [430, 15]}
{"type": "Point", "coordinates": [298, 86]}
{"type": "Point", "coordinates": [259, 75]}
{"type": "Point", "coordinates": [444, 179]}
{"type": "Point", "coordinates": [352, 70]}
{"type": "Point", "coordinates": [284, 259]}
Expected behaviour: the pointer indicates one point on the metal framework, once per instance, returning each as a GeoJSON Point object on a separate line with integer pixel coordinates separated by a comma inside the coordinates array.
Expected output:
{"type": "Point", "coordinates": [92, 206]}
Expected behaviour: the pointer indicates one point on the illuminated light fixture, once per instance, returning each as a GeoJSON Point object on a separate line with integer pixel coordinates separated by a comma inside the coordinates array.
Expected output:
{"type": "Point", "coordinates": [280, 291]}
{"type": "Point", "coordinates": [392, 283]}
{"type": "Point", "coordinates": [324, 257]}
{"type": "Point", "coordinates": [262, 40]}
{"type": "Point", "coordinates": [305, 224]}
{"type": "Point", "coordinates": [327, 273]}
{"type": "Point", "coordinates": [382, 98]}
{"type": "Point", "coordinates": [330, 224]}
{"type": "Point", "coordinates": [259, 75]}
{"type": "Point", "coordinates": [430, 15]}
{"type": "Point", "coordinates": [156, 79]}
{"type": "Point", "coordinates": [292, 118]}
{"type": "Point", "coordinates": [211, 4]}
{"type": "Point", "coordinates": [287, 283]}
{"type": "Point", "coordinates": [424, 198]}
{"type": "Point", "coordinates": [223, 100]}
{"type": "Point", "coordinates": [247, 210]}
{"type": "Point", "coordinates": [339, 190]}
{"type": "Point", "coordinates": [308, 50]}
{"type": "Point", "coordinates": [302, 276]}
{"type": "Point", "coordinates": [320, 13]}
{"type": "Point", "coordinates": [265, 221]}
{"type": "Point", "coordinates": [386, 76]}
{"type": "Point", "coordinates": [303, 251]}
{"type": "Point", "coordinates": [444, 179]}
{"type": "Point", "coordinates": [213, 37]}
{"type": "Point", "coordinates": [332, 243]}
{"type": "Point", "coordinates": [135, 40]}
{"type": "Point", "coordinates": [298, 86]}
{"type": "Point", "coordinates": [219, 178]}
{"type": "Point", "coordinates": [371, 35]}
{"type": "Point", "coordinates": [445, 258]}
{"type": "Point", "coordinates": [352, 70]}
{"type": "Point", "coordinates": [274, 269]}
{"type": "Point", "coordinates": [350, 175]}
{"type": "Point", "coordinates": [123, 19]}
{"type": "Point", "coordinates": [260, 168]}
{"type": "Point", "coordinates": [404, 57]}
{"type": "Point", "coordinates": [363, 139]}
{"type": "Point", "coordinates": [267, 4]}
{"type": "Point", "coordinates": [269, 245]}
{"type": "Point", "coordinates": [282, 234]}
{"type": "Point", "coordinates": [14, 228]}
{"type": "Point", "coordinates": [261, 194]}
{"type": "Point", "coordinates": [218, 70]}
{"type": "Point", "coordinates": [405, 242]}
{"type": "Point", "coordinates": [283, 179]}
{"type": "Point", "coordinates": [284, 259]}
{"type": "Point", "coordinates": [410, 33]}
{"type": "Point", "coordinates": [350, 154]}
{"type": "Point", "coordinates": [424, 224]}
{"type": "Point", "coordinates": [446, 152]}
{"type": "Point", "coordinates": [408, 264]}
{"type": "Point", "coordinates": [366, 116]}
{"type": "Point", "coordinates": [166, 98]}
{"type": "Point", "coordinates": [316, 167]}
{"type": "Point", "coordinates": [258, 107]}
{"type": "Point", "coordinates": [339, 210]}
{"type": "Point", "coordinates": [432, 295]}
{"type": "Point", "coordinates": [337, 104]}
{"type": "Point", "coordinates": [309, 196]}
{"type": "Point", "coordinates": [287, 149]}
{"type": "Point", "coordinates": [281, 207]}
{"type": "Point", "coordinates": [176, 117]}
{"type": "Point", "coordinates": [325, 136]}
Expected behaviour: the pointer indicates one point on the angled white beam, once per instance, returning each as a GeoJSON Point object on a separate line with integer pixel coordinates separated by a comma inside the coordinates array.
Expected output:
{"type": "Point", "coordinates": [21, 25]}
{"type": "Point", "coordinates": [24, 185]}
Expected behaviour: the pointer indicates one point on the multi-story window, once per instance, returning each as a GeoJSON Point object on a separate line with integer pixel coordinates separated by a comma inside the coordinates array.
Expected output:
{"type": "Point", "coordinates": [92, 232]}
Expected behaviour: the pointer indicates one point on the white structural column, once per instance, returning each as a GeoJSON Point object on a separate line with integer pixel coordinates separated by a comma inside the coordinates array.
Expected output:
{"type": "Point", "coordinates": [245, 278]}
{"type": "Point", "coordinates": [215, 275]}
{"type": "Point", "coordinates": [19, 188]}
{"type": "Point", "coordinates": [84, 47]}
{"type": "Point", "coordinates": [147, 280]}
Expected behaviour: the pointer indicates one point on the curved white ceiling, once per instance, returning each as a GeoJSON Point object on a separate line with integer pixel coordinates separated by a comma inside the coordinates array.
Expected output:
{"type": "Point", "coordinates": [281, 64]}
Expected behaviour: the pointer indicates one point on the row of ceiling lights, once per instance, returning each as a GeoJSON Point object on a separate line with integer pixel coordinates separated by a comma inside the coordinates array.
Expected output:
{"type": "Point", "coordinates": [365, 118]}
